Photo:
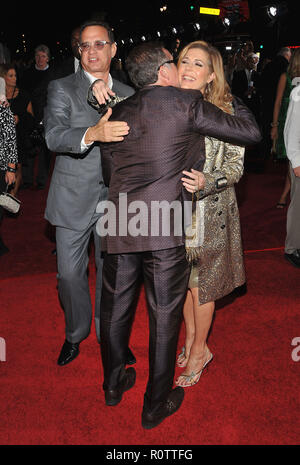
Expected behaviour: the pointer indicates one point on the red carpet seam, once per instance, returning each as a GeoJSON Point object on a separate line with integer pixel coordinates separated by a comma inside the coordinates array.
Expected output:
{"type": "Point", "coordinates": [263, 250]}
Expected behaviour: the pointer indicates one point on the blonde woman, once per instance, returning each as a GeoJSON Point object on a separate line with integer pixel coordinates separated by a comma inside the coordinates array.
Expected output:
{"type": "Point", "coordinates": [215, 250]}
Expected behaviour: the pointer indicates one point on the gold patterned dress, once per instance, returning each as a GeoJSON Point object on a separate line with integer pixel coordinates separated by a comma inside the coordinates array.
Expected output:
{"type": "Point", "coordinates": [219, 266]}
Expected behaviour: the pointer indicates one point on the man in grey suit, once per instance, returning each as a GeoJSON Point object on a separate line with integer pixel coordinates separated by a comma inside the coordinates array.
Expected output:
{"type": "Point", "coordinates": [73, 130]}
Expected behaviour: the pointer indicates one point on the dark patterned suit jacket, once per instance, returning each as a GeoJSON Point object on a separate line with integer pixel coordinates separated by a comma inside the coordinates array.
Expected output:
{"type": "Point", "coordinates": [167, 126]}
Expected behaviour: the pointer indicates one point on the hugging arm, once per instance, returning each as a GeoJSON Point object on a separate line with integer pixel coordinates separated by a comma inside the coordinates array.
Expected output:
{"type": "Point", "coordinates": [64, 138]}
{"type": "Point", "coordinates": [209, 183]}
{"type": "Point", "coordinates": [240, 129]}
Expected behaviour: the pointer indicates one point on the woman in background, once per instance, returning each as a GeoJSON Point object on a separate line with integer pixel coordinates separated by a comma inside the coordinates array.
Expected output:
{"type": "Point", "coordinates": [8, 156]}
{"type": "Point", "coordinates": [21, 107]}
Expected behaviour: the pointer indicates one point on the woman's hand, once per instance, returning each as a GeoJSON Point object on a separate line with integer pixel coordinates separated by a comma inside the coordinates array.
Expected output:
{"type": "Point", "coordinates": [102, 92]}
{"type": "Point", "coordinates": [10, 178]}
{"type": "Point", "coordinates": [194, 182]}
{"type": "Point", "coordinates": [297, 171]}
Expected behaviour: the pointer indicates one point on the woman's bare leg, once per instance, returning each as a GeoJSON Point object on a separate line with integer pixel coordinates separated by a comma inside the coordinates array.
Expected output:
{"type": "Point", "coordinates": [199, 353]}
{"type": "Point", "coordinates": [188, 314]}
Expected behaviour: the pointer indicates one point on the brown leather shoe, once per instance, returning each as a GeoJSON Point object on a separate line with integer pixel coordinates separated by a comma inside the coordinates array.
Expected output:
{"type": "Point", "coordinates": [171, 406]}
{"type": "Point", "coordinates": [114, 396]}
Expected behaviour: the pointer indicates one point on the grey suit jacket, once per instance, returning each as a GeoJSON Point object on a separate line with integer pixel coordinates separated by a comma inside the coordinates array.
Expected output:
{"type": "Point", "coordinates": [77, 183]}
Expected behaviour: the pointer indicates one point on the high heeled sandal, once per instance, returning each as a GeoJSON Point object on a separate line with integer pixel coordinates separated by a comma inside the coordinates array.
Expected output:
{"type": "Point", "coordinates": [193, 378]}
{"type": "Point", "coordinates": [181, 358]}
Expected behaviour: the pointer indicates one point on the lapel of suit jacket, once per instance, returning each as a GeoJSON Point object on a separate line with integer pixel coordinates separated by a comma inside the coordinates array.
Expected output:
{"type": "Point", "coordinates": [116, 88]}
{"type": "Point", "coordinates": [82, 86]}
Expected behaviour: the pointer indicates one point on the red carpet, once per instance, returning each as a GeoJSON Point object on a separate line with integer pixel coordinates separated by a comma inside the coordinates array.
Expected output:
{"type": "Point", "coordinates": [249, 395]}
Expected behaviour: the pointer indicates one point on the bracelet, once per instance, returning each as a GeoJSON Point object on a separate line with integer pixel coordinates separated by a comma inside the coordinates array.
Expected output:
{"type": "Point", "coordinates": [221, 183]}
{"type": "Point", "coordinates": [274, 125]}
{"type": "Point", "coordinates": [11, 170]}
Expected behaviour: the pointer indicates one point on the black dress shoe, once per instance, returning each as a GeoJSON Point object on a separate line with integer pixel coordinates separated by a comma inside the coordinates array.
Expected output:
{"type": "Point", "coordinates": [130, 358]}
{"type": "Point", "coordinates": [293, 258]}
{"type": "Point", "coordinates": [114, 396]}
{"type": "Point", "coordinates": [68, 352]}
{"type": "Point", "coordinates": [171, 406]}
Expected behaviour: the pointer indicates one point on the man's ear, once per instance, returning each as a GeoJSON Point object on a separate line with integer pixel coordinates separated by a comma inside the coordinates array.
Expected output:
{"type": "Point", "coordinates": [163, 74]}
{"type": "Point", "coordinates": [113, 49]}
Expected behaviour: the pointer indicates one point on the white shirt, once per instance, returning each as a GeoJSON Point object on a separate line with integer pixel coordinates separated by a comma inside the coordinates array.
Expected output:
{"type": "Point", "coordinates": [292, 128]}
{"type": "Point", "coordinates": [44, 69]}
{"type": "Point", "coordinates": [76, 64]}
{"type": "Point", "coordinates": [92, 79]}
{"type": "Point", "coordinates": [2, 90]}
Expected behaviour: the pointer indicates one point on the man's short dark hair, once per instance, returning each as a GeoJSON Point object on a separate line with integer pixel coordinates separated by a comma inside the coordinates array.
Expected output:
{"type": "Point", "coordinates": [143, 62]}
{"type": "Point", "coordinates": [100, 24]}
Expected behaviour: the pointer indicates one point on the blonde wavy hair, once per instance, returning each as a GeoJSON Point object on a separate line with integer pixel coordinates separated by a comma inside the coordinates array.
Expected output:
{"type": "Point", "coordinates": [294, 66]}
{"type": "Point", "coordinates": [217, 91]}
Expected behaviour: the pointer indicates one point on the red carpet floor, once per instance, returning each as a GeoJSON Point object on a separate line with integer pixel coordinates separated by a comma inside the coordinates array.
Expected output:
{"type": "Point", "coordinates": [249, 395]}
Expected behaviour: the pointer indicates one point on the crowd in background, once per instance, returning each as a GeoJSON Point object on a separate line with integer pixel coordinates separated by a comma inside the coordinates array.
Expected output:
{"type": "Point", "coordinates": [251, 79]}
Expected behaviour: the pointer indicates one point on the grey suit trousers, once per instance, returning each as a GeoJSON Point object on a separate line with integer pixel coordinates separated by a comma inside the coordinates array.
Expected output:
{"type": "Point", "coordinates": [73, 286]}
{"type": "Point", "coordinates": [292, 241]}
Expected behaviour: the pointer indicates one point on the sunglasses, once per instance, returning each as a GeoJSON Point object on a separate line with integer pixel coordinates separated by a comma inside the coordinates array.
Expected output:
{"type": "Point", "coordinates": [98, 45]}
{"type": "Point", "coordinates": [165, 63]}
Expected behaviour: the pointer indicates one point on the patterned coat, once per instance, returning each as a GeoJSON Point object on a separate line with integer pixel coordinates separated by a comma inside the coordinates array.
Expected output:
{"type": "Point", "coordinates": [219, 267]}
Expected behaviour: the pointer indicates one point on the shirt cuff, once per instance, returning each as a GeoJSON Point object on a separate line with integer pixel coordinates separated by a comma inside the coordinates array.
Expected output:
{"type": "Point", "coordinates": [83, 145]}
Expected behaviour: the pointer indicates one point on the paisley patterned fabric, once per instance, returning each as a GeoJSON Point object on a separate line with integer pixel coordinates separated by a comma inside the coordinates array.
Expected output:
{"type": "Point", "coordinates": [219, 268]}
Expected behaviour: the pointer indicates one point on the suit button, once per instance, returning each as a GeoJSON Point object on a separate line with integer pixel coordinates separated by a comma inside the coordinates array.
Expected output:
{"type": "Point", "coordinates": [223, 226]}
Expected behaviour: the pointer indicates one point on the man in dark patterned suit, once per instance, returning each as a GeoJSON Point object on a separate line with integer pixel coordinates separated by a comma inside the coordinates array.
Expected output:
{"type": "Point", "coordinates": [165, 138]}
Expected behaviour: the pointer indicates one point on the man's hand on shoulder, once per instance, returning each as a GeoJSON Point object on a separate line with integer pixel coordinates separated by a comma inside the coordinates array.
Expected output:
{"type": "Point", "coordinates": [107, 131]}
